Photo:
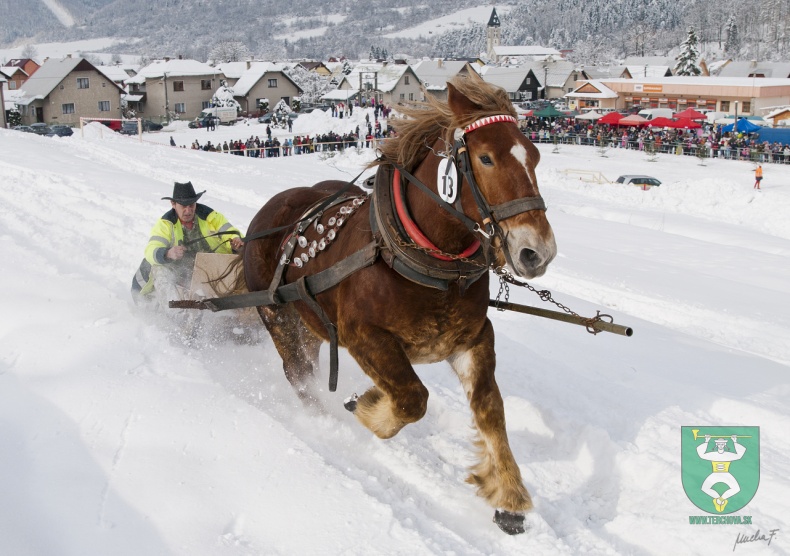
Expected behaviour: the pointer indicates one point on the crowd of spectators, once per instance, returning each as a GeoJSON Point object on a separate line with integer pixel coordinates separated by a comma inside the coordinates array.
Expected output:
{"type": "Point", "coordinates": [707, 141]}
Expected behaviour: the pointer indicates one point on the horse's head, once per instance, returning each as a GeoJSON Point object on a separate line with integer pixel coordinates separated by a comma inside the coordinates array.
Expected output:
{"type": "Point", "coordinates": [502, 162]}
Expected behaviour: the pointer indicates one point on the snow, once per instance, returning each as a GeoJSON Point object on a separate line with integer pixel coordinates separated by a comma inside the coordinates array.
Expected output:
{"type": "Point", "coordinates": [456, 21]}
{"type": "Point", "coordinates": [115, 440]}
{"type": "Point", "coordinates": [87, 47]}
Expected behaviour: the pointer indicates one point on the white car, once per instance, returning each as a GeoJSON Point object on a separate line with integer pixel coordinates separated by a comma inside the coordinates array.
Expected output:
{"type": "Point", "coordinates": [645, 182]}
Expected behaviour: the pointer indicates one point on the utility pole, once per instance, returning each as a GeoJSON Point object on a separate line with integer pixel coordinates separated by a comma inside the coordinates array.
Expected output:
{"type": "Point", "coordinates": [167, 104]}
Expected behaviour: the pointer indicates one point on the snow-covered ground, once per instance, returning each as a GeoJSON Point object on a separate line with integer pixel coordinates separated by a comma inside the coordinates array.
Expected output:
{"type": "Point", "coordinates": [88, 47]}
{"type": "Point", "coordinates": [456, 21]}
{"type": "Point", "coordinates": [114, 440]}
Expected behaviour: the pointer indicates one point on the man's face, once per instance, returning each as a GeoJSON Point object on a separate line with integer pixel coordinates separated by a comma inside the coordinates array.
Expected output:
{"type": "Point", "coordinates": [186, 213]}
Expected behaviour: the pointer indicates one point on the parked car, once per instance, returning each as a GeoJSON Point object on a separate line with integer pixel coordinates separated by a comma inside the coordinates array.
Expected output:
{"type": "Point", "coordinates": [148, 125]}
{"type": "Point", "coordinates": [40, 129]}
{"type": "Point", "coordinates": [200, 122]}
{"type": "Point", "coordinates": [114, 125]}
{"type": "Point", "coordinates": [61, 130]}
{"type": "Point", "coordinates": [128, 127]}
{"type": "Point", "coordinates": [645, 182]}
{"type": "Point", "coordinates": [24, 128]}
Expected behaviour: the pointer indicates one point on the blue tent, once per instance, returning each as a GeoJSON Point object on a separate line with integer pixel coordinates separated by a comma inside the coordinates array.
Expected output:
{"type": "Point", "coordinates": [774, 135]}
{"type": "Point", "coordinates": [744, 126]}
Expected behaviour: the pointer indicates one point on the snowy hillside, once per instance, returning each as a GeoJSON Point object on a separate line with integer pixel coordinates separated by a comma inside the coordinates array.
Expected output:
{"type": "Point", "coordinates": [116, 440]}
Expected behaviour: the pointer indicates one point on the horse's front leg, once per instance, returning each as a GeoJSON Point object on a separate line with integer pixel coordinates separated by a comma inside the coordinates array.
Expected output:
{"type": "Point", "coordinates": [496, 474]}
{"type": "Point", "coordinates": [398, 397]}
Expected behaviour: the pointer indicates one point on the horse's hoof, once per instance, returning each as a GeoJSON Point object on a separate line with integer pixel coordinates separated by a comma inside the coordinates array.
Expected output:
{"type": "Point", "coordinates": [510, 522]}
{"type": "Point", "coordinates": [351, 403]}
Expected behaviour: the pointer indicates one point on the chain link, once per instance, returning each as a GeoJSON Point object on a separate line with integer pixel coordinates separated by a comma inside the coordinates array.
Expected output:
{"type": "Point", "coordinates": [505, 278]}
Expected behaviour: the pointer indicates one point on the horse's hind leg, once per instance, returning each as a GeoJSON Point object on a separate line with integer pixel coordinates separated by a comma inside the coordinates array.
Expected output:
{"type": "Point", "coordinates": [496, 475]}
{"type": "Point", "coordinates": [398, 397]}
{"type": "Point", "coordinates": [297, 346]}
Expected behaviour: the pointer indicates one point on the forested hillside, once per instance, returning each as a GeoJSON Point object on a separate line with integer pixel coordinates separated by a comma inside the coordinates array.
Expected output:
{"type": "Point", "coordinates": [597, 30]}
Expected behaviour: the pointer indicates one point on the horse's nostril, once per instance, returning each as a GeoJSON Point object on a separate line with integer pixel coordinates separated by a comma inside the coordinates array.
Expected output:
{"type": "Point", "coordinates": [529, 258]}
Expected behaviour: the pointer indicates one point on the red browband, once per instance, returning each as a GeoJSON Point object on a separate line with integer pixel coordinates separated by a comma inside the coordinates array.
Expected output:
{"type": "Point", "coordinates": [489, 120]}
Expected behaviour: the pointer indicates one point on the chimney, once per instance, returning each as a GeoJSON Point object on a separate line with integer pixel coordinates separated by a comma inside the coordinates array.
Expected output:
{"type": "Point", "coordinates": [439, 63]}
{"type": "Point", "coordinates": [180, 56]}
{"type": "Point", "coordinates": [68, 55]}
{"type": "Point", "coordinates": [249, 64]}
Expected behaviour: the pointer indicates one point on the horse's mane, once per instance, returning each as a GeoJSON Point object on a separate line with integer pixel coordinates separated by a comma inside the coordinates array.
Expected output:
{"type": "Point", "coordinates": [425, 122]}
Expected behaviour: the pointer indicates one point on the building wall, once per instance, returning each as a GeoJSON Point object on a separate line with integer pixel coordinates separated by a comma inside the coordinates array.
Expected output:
{"type": "Point", "coordinates": [86, 101]}
{"type": "Point", "coordinates": [400, 93]}
{"type": "Point", "coordinates": [192, 97]}
{"type": "Point", "coordinates": [285, 89]}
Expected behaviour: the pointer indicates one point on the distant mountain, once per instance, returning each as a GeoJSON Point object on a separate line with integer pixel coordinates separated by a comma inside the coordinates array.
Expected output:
{"type": "Point", "coordinates": [596, 30]}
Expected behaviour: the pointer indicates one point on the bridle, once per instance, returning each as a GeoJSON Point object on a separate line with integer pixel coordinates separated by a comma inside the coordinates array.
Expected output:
{"type": "Point", "coordinates": [491, 216]}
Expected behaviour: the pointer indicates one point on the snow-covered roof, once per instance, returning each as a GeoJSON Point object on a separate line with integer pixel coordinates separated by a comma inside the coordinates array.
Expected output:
{"type": "Point", "coordinates": [600, 72]}
{"type": "Point", "coordinates": [248, 77]}
{"type": "Point", "coordinates": [710, 81]}
{"type": "Point", "coordinates": [387, 75]}
{"type": "Point", "coordinates": [132, 98]}
{"type": "Point", "coordinates": [780, 70]}
{"type": "Point", "coordinates": [9, 71]}
{"type": "Point", "coordinates": [534, 50]}
{"type": "Point", "coordinates": [340, 94]}
{"type": "Point", "coordinates": [49, 76]}
{"type": "Point", "coordinates": [649, 71]}
{"type": "Point", "coordinates": [435, 74]}
{"type": "Point", "coordinates": [173, 68]}
{"type": "Point", "coordinates": [593, 89]}
{"type": "Point", "coordinates": [510, 79]}
{"type": "Point", "coordinates": [115, 73]}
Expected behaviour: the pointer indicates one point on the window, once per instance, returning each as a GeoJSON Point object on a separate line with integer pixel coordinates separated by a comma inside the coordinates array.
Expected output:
{"type": "Point", "coordinates": [746, 106]}
{"type": "Point", "coordinates": [206, 104]}
{"type": "Point", "coordinates": [104, 106]}
{"type": "Point", "coordinates": [83, 83]}
{"type": "Point", "coordinates": [402, 96]}
{"type": "Point", "coordinates": [411, 96]}
{"type": "Point", "coordinates": [205, 85]}
{"type": "Point", "coordinates": [407, 79]}
{"type": "Point", "coordinates": [67, 108]}
{"type": "Point", "coordinates": [11, 85]}
{"type": "Point", "coordinates": [272, 83]}
{"type": "Point", "coordinates": [725, 106]}
{"type": "Point", "coordinates": [180, 108]}
{"type": "Point", "coordinates": [178, 85]}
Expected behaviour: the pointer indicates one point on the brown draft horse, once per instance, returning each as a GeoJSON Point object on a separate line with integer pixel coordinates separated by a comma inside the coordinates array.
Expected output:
{"type": "Point", "coordinates": [389, 323]}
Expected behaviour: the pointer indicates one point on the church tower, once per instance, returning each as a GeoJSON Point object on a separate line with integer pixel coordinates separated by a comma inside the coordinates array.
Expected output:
{"type": "Point", "coordinates": [493, 35]}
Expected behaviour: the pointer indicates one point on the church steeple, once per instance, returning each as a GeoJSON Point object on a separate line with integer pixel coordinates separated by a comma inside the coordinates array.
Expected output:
{"type": "Point", "coordinates": [493, 35]}
{"type": "Point", "coordinates": [493, 21]}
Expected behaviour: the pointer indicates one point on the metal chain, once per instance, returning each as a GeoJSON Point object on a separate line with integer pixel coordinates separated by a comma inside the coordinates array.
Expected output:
{"type": "Point", "coordinates": [505, 278]}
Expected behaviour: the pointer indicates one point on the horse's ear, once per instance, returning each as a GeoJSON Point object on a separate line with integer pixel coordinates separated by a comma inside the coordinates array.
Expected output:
{"type": "Point", "coordinates": [458, 102]}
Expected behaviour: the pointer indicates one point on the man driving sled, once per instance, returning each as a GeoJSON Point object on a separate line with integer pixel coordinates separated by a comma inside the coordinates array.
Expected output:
{"type": "Point", "coordinates": [185, 230]}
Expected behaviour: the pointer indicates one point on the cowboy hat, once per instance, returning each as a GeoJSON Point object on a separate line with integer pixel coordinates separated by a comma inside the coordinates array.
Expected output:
{"type": "Point", "coordinates": [184, 194]}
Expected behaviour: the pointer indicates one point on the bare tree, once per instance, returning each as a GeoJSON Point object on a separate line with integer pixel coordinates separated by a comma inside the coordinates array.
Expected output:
{"type": "Point", "coordinates": [29, 51]}
{"type": "Point", "coordinates": [229, 51]}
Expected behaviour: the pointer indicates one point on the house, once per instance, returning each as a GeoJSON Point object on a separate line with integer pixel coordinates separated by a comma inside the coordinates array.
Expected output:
{"type": "Point", "coordinates": [388, 83]}
{"type": "Point", "coordinates": [756, 69]}
{"type": "Point", "coordinates": [521, 83]}
{"type": "Point", "coordinates": [593, 94]}
{"type": "Point", "coordinates": [505, 55]}
{"type": "Point", "coordinates": [14, 75]}
{"type": "Point", "coordinates": [605, 72]}
{"type": "Point", "coordinates": [556, 76]}
{"type": "Point", "coordinates": [64, 90]}
{"type": "Point", "coordinates": [318, 67]}
{"type": "Point", "coordinates": [27, 65]}
{"type": "Point", "coordinates": [434, 74]}
{"type": "Point", "coordinates": [254, 81]}
{"type": "Point", "coordinates": [174, 88]}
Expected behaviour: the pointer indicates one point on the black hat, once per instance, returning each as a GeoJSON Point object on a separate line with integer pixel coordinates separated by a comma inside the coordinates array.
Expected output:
{"type": "Point", "coordinates": [184, 194]}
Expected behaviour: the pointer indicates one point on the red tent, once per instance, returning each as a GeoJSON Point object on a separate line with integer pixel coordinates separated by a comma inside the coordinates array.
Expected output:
{"type": "Point", "coordinates": [685, 123]}
{"type": "Point", "coordinates": [610, 118]}
{"type": "Point", "coordinates": [691, 114]}
{"type": "Point", "coordinates": [632, 120]}
{"type": "Point", "coordinates": [660, 122]}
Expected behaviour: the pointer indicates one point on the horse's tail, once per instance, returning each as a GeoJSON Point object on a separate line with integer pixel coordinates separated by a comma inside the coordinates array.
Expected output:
{"type": "Point", "coordinates": [237, 283]}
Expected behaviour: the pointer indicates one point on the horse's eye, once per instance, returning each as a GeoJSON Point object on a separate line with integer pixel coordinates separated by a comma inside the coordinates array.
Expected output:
{"type": "Point", "coordinates": [485, 159]}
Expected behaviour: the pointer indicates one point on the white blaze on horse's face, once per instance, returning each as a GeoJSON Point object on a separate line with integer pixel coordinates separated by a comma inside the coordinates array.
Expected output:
{"type": "Point", "coordinates": [530, 239]}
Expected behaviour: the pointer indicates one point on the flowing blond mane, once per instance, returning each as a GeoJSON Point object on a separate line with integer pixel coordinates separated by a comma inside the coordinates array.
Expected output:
{"type": "Point", "coordinates": [427, 121]}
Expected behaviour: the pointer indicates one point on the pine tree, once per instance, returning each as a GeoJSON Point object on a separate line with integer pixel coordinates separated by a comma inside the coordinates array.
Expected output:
{"type": "Point", "coordinates": [687, 59]}
{"type": "Point", "coordinates": [733, 44]}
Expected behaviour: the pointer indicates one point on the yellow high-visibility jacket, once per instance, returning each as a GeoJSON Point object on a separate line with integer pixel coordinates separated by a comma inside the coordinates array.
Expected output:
{"type": "Point", "coordinates": [168, 232]}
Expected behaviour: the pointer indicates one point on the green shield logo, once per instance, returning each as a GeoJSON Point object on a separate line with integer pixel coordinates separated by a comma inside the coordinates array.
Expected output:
{"type": "Point", "coordinates": [720, 467]}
